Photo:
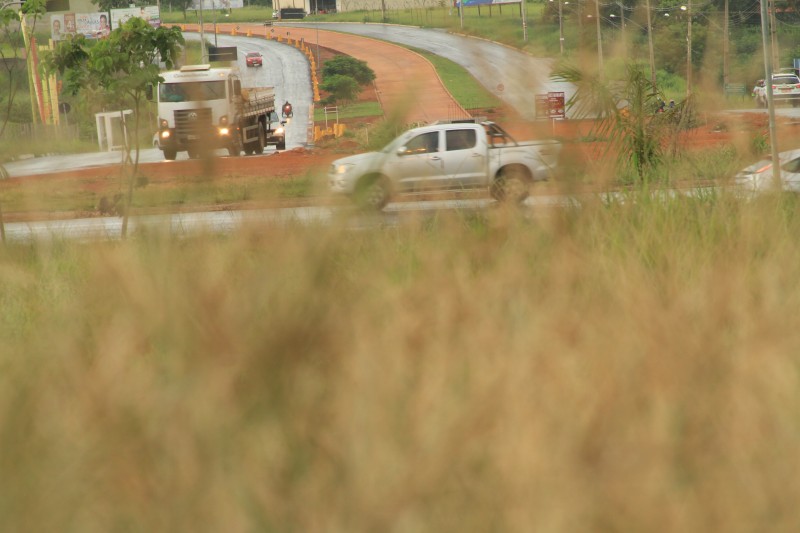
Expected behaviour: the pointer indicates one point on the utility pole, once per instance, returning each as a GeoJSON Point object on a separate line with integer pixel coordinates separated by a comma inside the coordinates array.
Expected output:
{"type": "Point", "coordinates": [650, 44]}
{"type": "Point", "coordinates": [689, 49]}
{"type": "Point", "coordinates": [725, 47]}
{"type": "Point", "coordinates": [773, 32]}
{"type": "Point", "coordinates": [622, 28]}
{"type": "Point", "coordinates": [773, 134]}
{"type": "Point", "coordinates": [524, 21]}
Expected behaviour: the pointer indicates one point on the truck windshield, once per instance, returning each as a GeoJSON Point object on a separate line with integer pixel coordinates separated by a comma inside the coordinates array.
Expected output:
{"type": "Point", "coordinates": [195, 91]}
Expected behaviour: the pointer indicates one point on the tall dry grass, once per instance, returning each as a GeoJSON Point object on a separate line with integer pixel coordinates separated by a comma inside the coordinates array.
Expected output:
{"type": "Point", "coordinates": [632, 366]}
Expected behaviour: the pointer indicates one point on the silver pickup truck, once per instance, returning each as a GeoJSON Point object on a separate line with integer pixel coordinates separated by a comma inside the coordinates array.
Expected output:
{"type": "Point", "coordinates": [446, 156]}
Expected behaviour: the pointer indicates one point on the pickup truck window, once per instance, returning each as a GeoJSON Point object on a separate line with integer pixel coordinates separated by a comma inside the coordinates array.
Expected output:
{"type": "Point", "coordinates": [460, 139]}
{"type": "Point", "coordinates": [422, 144]}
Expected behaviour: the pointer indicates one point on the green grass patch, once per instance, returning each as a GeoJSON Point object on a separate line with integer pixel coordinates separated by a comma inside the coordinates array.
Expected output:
{"type": "Point", "coordinates": [356, 110]}
{"type": "Point", "coordinates": [459, 82]}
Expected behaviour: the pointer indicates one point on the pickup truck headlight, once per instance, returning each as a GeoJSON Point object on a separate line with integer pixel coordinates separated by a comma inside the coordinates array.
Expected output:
{"type": "Point", "coordinates": [279, 131]}
{"type": "Point", "coordinates": [341, 169]}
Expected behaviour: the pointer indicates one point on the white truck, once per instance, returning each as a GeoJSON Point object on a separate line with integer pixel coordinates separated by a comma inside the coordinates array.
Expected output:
{"type": "Point", "coordinates": [446, 156]}
{"type": "Point", "coordinates": [202, 108]}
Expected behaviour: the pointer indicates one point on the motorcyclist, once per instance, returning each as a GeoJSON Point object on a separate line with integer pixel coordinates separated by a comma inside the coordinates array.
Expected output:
{"type": "Point", "coordinates": [287, 109]}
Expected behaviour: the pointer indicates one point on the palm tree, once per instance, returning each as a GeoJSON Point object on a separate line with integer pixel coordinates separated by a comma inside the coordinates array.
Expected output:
{"type": "Point", "coordinates": [630, 114]}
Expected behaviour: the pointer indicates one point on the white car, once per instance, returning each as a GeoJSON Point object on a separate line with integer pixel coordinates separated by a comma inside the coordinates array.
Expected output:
{"type": "Point", "coordinates": [759, 177]}
{"type": "Point", "coordinates": [785, 88]}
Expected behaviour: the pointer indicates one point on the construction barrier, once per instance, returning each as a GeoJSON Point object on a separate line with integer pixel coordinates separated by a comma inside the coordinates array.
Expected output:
{"type": "Point", "coordinates": [335, 130]}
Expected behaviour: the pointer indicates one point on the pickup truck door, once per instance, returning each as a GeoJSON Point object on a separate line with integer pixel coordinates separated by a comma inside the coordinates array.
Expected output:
{"type": "Point", "coordinates": [464, 158]}
{"type": "Point", "coordinates": [418, 164]}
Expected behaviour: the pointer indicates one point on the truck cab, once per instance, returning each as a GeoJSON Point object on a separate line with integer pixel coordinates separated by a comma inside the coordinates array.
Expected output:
{"type": "Point", "coordinates": [202, 108]}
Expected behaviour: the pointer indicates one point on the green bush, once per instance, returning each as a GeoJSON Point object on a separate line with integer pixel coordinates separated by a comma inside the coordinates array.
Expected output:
{"type": "Point", "coordinates": [349, 66]}
{"type": "Point", "coordinates": [341, 88]}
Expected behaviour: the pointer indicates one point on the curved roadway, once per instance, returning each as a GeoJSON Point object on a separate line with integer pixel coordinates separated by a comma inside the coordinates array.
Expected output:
{"type": "Point", "coordinates": [511, 75]}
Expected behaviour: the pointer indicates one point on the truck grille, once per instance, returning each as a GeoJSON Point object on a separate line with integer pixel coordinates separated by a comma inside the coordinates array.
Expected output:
{"type": "Point", "coordinates": [191, 124]}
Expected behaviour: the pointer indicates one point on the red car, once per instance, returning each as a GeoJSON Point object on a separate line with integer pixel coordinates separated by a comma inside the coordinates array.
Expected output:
{"type": "Point", "coordinates": [253, 59]}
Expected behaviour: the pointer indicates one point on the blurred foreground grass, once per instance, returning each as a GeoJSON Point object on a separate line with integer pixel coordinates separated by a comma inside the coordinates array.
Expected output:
{"type": "Point", "coordinates": [629, 367]}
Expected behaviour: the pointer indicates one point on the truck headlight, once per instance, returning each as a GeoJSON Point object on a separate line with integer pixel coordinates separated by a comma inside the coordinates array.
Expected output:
{"type": "Point", "coordinates": [224, 131]}
{"type": "Point", "coordinates": [165, 134]}
{"type": "Point", "coordinates": [341, 169]}
{"type": "Point", "coordinates": [279, 131]}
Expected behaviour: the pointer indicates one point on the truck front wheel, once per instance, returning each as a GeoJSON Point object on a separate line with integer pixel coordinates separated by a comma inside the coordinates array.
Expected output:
{"type": "Point", "coordinates": [512, 184]}
{"type": "Point", "coordinates": [233, 150]}
{"type": "Point", "coordinates": [372, 192]}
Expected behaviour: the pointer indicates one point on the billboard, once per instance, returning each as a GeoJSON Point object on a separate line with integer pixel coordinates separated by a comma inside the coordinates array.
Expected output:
{"type": "Point", "coordinates": [217, 4]}
{"type": "Point", "coordinates": [468, 3]}
{"type": "Point", "coordinates": [90, 25]}
{"type": "Point", "coordinates": [148, 13]}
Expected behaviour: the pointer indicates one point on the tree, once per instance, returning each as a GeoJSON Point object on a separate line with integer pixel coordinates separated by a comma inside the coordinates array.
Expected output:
{"type": "Point", "coordinates": [125, 67]}
{"type": "Point", "coordinates": [341, 88]}
{"type": "Point", "coordinates": [349, 66]}
{"type": "Point", "coordinates": [626, 115]}
{"type": "Point", "coordinates": [15, 75]}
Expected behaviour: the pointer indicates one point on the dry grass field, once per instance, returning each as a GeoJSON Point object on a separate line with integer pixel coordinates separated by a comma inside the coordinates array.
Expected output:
{"type": "Point", "coordinates": [632, 366]}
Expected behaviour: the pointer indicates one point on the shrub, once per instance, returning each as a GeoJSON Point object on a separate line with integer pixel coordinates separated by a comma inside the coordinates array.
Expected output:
{"type": "Point", "coordinates": [341, 88]}
{"type": "Point", "coordinates": [349, 66]}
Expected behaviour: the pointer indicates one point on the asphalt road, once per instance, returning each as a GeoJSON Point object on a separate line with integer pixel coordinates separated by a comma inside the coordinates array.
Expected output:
{"type": "Point", "coordinates": [285, 68]}
{"type": "Point", "coordinates": [511, 75]}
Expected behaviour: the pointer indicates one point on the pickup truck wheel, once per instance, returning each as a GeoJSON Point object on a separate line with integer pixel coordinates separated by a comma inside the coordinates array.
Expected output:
{"type": "Point", "coordinates": [511, 185]}
{"type": "Point", "coordinates": [170, 155]}
{"type": "Point", "coordinates": [373, 193]}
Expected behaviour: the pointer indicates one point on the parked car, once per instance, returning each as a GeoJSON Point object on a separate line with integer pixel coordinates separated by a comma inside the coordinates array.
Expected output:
{"type": "Point", "coordinates": [785, 88]}
{"type": "Point", "coordinates": [446, 156]}
{"type": "Point", "coordinates": [254, 59]}
{"type": "Point", "coordinates": [759, 176]}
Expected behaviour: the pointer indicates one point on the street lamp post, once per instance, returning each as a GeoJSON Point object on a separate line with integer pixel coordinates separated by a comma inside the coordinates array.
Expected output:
{"type": "Point", "coordinates": [560, 26]}
{"type": "Point", "coordinates": [203, 54]}
{"type": "Point", "coordinates": [599, 39]}
{"type": "Point", "coordinates": [216, 14]}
